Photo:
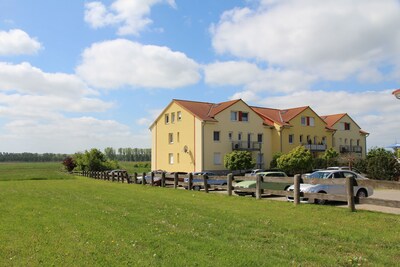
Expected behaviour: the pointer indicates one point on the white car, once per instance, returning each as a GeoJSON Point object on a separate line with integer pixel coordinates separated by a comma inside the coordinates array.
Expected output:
{"type": "Point", "coordinates": [359, 191]}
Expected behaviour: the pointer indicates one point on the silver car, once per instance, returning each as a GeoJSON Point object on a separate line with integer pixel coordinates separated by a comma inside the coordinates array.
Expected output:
{"type": "Point", "coordinates": [340, 189]}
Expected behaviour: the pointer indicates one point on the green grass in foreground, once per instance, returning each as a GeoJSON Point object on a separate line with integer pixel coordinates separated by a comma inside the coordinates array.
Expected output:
{"type": "Point", "coordinates": [86, 222]}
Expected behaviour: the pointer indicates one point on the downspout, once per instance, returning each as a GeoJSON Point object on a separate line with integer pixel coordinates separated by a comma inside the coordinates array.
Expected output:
{"type": "Point", "coordinates": [281, 138]}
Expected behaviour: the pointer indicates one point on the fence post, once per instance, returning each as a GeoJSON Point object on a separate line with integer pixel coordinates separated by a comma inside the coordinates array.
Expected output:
{"type": "Point", "coordinates": [296, 192]}
{"type": "Point", "coordinates": [205, 178]}
{"type": "Point", "coordinates": [128, 178]}
{"type": "Point", "coordinates": [176, 176]}
{"type": "Point", "coordinates": [163, 179]}
{"type": "Point", "coordinates": [350, 193]}
{"type": "Point", "coordinates": [229, 184]}
{"type": "Point", "coordinates": [144, 179]}
{"type": "Point", "coordinates": [190, 185]}
{"type": "Point", "coordinates": [152, 179]}
{"type": "Point", "coordinates": [259, 180]}
{"type": "Point", "coordinates": [122, 177]}
{"type": "Point", "coordinates": [112, 176]}
{"type": "Point", "coordinates": [135, 178]}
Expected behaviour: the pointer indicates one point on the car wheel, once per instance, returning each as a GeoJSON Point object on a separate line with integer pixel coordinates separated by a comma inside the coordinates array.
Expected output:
{"type": "Point", "coordinates": [320, 201]}
{"type": "Point", "coordinates": [196, 188]}
{"type": "Point", "coordinates": [361, 193]}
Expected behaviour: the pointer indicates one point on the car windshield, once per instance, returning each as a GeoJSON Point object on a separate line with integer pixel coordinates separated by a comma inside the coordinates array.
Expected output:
{"type": "Point", "coordinates": [319, 175]}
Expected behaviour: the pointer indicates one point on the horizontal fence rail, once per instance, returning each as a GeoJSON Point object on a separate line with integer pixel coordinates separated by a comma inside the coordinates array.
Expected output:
{"type": "Point", "coordinates": [227, 183]}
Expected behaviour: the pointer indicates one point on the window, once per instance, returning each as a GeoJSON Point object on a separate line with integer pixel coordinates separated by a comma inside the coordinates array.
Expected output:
{"type": "Point", "coordinates": [166, 118]}
{"type": "Point", "coordinates": [216, 135]}
{"type": "Point", "coordinates": [324, 140]}
{"type": "Point", "coordinates": [239, 116]}
{"type": "Point", "coordinates": [179, 115]}
{"type": "Point", "coordinates": [291, 138]}
{"type": "Point", "coordinates": [239, 136]}
{"type": "Point", "coordinates": [245, 116]}
{"type": "Point", "coordinates": [217, 158]}
{"type": "Point", "coordinates": [230, 136]}
{"type": "Point", "coordinates": [260, 138]}
{"type": "Point", "coordinates": [171, 138]}
{"type": "Point", "coordinates": [307, 121]}
{"type": "Point", "coordinates": [301, 139]}
{"type": "Point", "coordinates": [171, 158]}
{"type": "Point", "coordinates": [234, 116]}
{"type": "Point", "coordinates": [358, 142]}
{"type": "Point", "coordinates": [345, 126]}
{"type": "Point", "coordinates": [173, 117]}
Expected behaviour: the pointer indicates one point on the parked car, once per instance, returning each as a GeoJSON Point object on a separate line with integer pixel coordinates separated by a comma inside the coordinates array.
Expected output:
{"type": "Point", "coordinates": [196, 179]}
{"type": "Point", "coordinates": [264, 185]}
{"type": "Point", "coordinates": [359, 191]}
{"type": "Point", "coordinates": [344, 168]}
{"type": "Point", "coordinates": [254, 172]}
{"type": "Point", "coordinates": [157, 180]}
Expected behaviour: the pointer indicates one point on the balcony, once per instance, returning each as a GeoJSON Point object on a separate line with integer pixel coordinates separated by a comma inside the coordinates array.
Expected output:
{"type": "Point", "coordinates": [246, 145]}
{"type": "Point", "coordinates": [315, 147]}
{"type": "Point", "coordinates": [348, 149]}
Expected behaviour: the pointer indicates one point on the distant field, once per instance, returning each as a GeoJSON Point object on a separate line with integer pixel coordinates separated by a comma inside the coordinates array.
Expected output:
{"type": "Point", "coordinates": [86, 222]}
{"type": "Point", "coordinates": [130, 166]}
{"type": "Point", "coordinates": [32, 171]}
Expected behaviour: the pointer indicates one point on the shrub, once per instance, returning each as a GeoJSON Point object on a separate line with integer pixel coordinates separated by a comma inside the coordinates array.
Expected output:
{"type": "Point", "coordinates": [298, 160]}
{"type": "Point", "coordinates": [69, 164]}
{"type": "Point", "coordinates": [382, 165]}
{"type": "Point", "coordinates": [94, 160]}
{"type": "Point", "coordinates": [238, 160]}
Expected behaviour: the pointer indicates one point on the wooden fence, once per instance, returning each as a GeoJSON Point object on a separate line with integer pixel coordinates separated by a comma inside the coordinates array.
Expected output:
{"type": "Point", "coordinates": [226, 183]}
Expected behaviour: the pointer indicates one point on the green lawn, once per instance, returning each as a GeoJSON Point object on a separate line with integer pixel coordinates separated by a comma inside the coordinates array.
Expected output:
{"type": "Point", "coordinates": [86, 222]}
{"type": "Point", "coordinates": [32, 171]}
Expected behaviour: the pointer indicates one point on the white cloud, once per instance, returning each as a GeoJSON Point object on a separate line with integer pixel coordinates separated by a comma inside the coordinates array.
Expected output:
{"type": "Point", "coordinates": [255, 79]}
{"type": "Point", "coordinates": [375, 111]}
{"type": "Point", "coordinates": [27, 79]}
{"type": "Point", "coordinates": [68, 135]}
{"type": "Point", "coordinates": [332, 39]}
{"type": "Point", "coordinates": [130, 16]}
{"type": "Point", "coordinates": [113, 64]}
{"type": "Point", "coordinates": [17, 42]}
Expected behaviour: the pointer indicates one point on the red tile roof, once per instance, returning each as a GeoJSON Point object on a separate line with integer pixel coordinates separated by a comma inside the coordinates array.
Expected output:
{"type": "Point", "coordinates": [332, 119]}
{"type": "Point", "coordinates": [280, 117]}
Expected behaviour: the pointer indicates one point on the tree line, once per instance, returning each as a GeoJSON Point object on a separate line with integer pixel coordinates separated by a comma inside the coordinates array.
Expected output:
{"type": "Point", "coordinates": [120, 154]}
{"type": "Point", "coordinates": [31, 157]}
{"type": "Point", "coordinates": [128, 154]}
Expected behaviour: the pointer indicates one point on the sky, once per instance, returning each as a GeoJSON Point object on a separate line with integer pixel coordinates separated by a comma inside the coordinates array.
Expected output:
{"type": "Point", "coordinates": [76, 75]}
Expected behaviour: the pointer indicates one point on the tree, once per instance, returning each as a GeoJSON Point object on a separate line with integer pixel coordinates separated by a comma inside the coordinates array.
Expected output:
{"type": "Point", "coordinates": [275, 157]}
{"type": "Point", "coordinates": [110, 153]}
{"type": "Point", "coordinates": [94, 160]}
{"type": "Point", "coordinates": [238, 160]}
{"type": "Point", "coordinates": [330, 156]}
{"type": "Point", "coordinates": [382, 165]}
{"type": "Point", "coordinates": [298, 160]}
{"type": "Point", "coordinates": [69, 164]}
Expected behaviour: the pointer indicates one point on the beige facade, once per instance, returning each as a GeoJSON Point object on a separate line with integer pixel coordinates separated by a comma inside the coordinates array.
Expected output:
{"type": "Point", "coordinates": [194, 136]}
{"type": "Point", "coordinates": [348, 136]}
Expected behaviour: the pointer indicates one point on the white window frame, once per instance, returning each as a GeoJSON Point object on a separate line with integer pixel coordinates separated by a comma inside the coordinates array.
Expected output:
{"type": "Point", "coordinates": [179, 115]}
{"type": "Point", "coordinates": [291, 138]}
{"type": "Point", "coordinates": [219, 136]}
{"type": "Point", "coordinates": [171, 158]}
{"type": "Point", "coordinates": [166, 118]}
{"type": "Point", "coordinates": [170, 138]}
{"type": "Point", "coordinates": [173, 117]}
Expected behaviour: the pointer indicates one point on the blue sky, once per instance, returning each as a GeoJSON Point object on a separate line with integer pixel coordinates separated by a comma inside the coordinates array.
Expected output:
{"type": "Point", "coordinates": [81, 74]}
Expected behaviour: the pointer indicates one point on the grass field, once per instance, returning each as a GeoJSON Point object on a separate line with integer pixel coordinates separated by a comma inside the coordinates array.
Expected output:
{"type": "Point", "coordinates": [86, 222]}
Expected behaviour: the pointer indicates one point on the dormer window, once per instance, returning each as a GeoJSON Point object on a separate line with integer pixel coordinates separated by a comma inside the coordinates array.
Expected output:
{"type": "Point", "coordinates": [307, 121]}
{"type": "Point", "coordinates": [239, 116]}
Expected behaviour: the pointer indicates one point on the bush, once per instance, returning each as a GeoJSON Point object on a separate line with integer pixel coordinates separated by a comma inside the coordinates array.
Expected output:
{"type": "Point", "coordinates": [274, 163]}
{"type": "Point", "coordinates": [69, 164]}
{"type": "Point", "coordinates": [94, 160]}
{"type": "Point", "coordinates": [297, 161]}
{"type": "Point", "coordinates": [382, 165]}
{"type": "Point", "coordinates": [238, 160]}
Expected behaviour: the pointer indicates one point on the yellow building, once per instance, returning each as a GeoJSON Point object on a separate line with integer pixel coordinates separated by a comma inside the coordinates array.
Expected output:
{"type": "Point", "coordinates": [348, 136]}
{"type": "Point", "coordinates": [194, 136]}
